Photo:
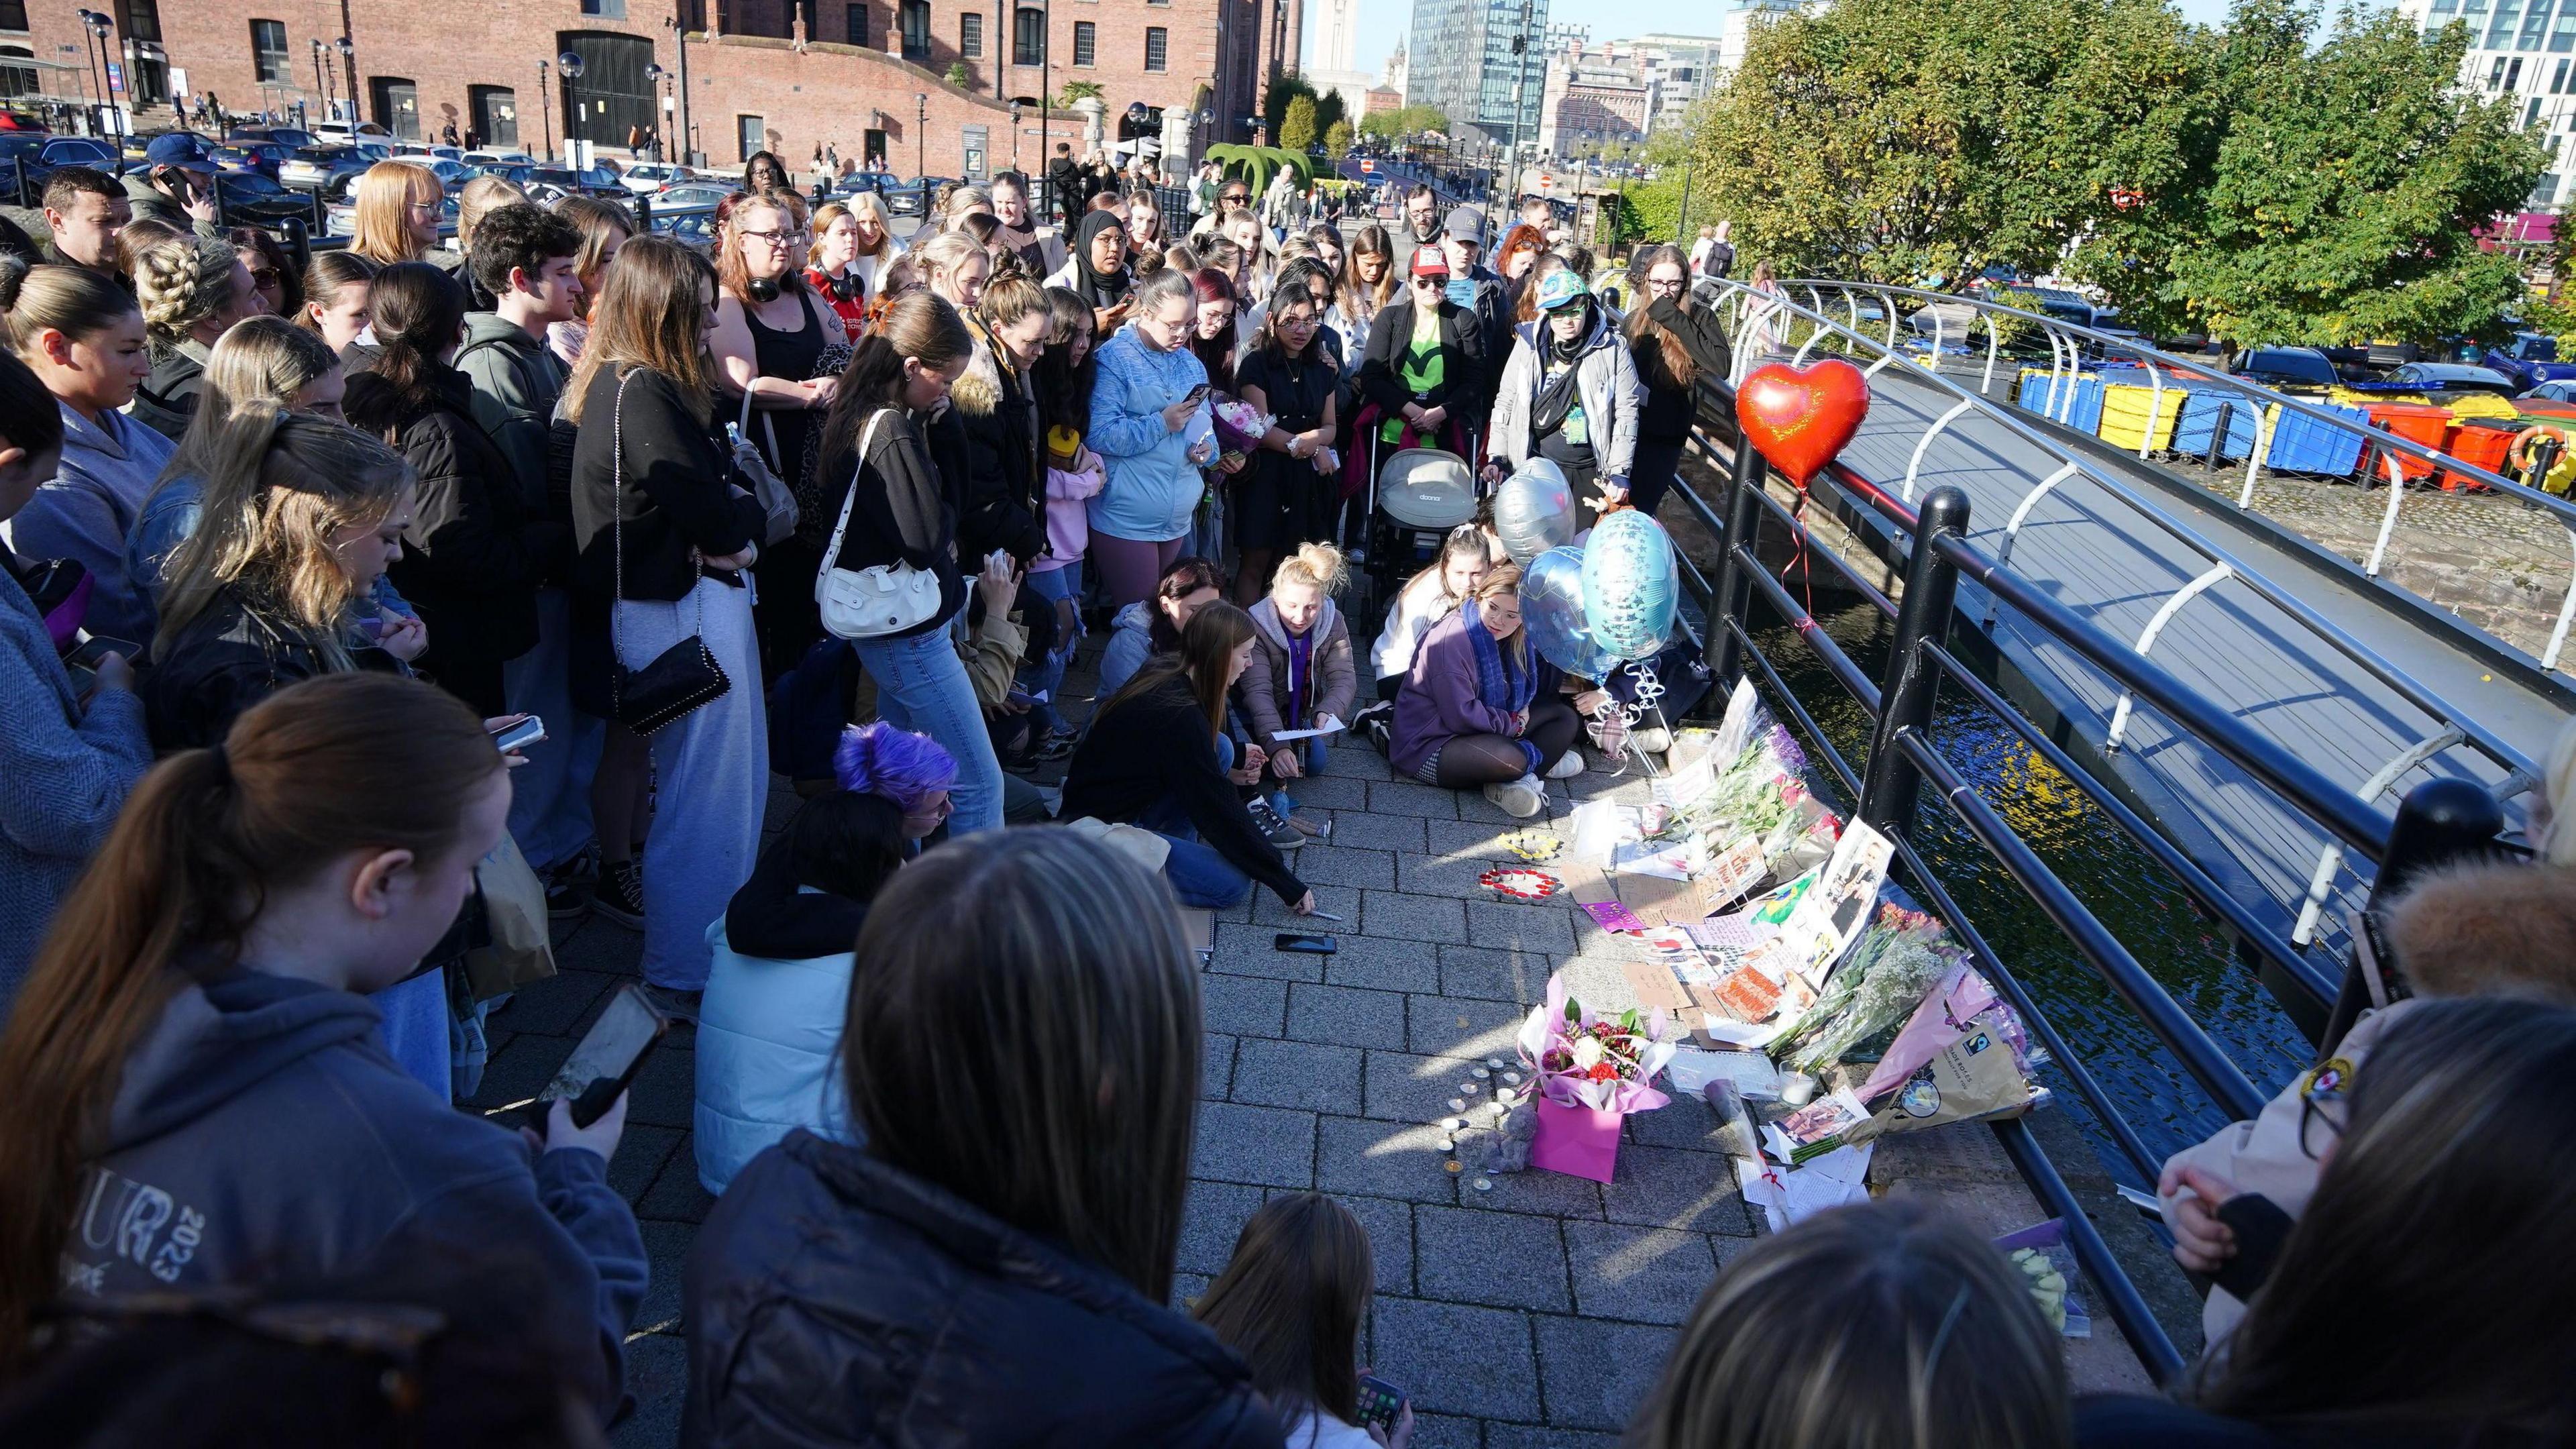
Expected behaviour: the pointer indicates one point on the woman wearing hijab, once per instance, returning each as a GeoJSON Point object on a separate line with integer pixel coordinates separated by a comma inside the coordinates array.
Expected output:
{"type": "Point", "coordinates": [1098, 270]}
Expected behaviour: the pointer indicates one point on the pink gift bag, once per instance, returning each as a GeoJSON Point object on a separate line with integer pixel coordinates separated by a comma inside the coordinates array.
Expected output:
{"type": "Point", "coordinates": [1577, 1141]}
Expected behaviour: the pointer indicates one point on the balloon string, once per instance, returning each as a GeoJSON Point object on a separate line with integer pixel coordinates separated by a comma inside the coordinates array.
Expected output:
{"type": "Point", "coordinates": [1798, 552]}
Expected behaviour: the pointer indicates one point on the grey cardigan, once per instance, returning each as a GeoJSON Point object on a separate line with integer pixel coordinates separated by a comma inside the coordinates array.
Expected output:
{"type": "Point", "coordinates": [1605, 375]}
{"type": "Point", "coordinates": [86, 510]}
{"type": "Point", "coordinates": [64, 775]}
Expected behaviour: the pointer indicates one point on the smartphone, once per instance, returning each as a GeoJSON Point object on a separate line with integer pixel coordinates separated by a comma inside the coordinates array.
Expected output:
{"type": "Point", "coordinates": [97, 647]}
{"type": "Point", "coordinates": [372, 628]}
{"type": "Point", "coordinates": [1304, 945]}
{"type": "Point", "coordinates": [608, 1056]}
{"type": "Point", "coordinates": [519, 736]}
{"type": "Point", "coordinates": [1199, 393]}
{"type": "Point", "coordinates": [1380, 1402]}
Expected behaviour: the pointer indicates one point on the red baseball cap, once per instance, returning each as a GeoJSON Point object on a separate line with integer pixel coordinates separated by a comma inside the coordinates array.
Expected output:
{"type": "Point", "coordinates": [1430, 262]}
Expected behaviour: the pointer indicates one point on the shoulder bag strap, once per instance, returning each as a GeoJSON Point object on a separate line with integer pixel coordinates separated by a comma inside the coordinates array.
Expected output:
{"type": "Point", "coordinates": [849, 500]}
{"type": "Point", "coordinates": [616, 527]}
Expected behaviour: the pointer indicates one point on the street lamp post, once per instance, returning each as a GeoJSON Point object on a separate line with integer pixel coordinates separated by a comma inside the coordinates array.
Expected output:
{"type": "Point", "coordinates": [1015, 141]}
{"type": "Point", "coordinates": [921, 147]}
{"type": "Point", "coordinates": [93, 30]}
{"type": "Point", "coordinates": [1520, 89]}
{"type": "Point", "coordinates": [546, 109]}
{"type": "Point", "coordinates": [320, 83]}
{"type": "Point", "coordinates": [348, 72]}
{"type": "Point", "coordinates": [653, 74]}
{"type": "Point", "coordinates": [688, 129]}
{"type": "Point", "coordinates": [569, 63]}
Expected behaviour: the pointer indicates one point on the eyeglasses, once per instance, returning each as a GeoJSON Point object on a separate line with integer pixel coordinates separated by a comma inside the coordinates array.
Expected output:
{"type": "Point", "coordinates": [425, 208]}
{"type": "Point", "coordinates": [263, 276]}
{"type": "Point", "coordinates": [773, 238]}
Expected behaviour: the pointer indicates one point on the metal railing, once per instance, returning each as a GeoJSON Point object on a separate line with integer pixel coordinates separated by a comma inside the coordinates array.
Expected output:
{"type": "Point", "coordinates": [1902, 757]}
{"type": "Point", "coordinates": [1754, 313]}
{"type": "Point", "coordinates": [2069, 344]}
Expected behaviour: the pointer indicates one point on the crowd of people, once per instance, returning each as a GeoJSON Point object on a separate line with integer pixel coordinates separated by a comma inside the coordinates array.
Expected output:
{"type": "Point", "coordinates": [287, 550]}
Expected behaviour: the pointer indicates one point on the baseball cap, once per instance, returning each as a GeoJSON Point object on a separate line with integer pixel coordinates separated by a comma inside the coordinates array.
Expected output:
{"type": "Point", "coordinates": [1428, 262]}
{"type": "Point", "coordinates": [179, 148]}
{"type": "Point", "coordinates": [1560, 288]}
{"type": "Point", "coordinates": [1465, 223]}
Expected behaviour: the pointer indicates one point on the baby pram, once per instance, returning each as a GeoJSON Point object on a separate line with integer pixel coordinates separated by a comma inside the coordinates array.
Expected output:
{"type": "Point", "coordinates": [1414, 498]}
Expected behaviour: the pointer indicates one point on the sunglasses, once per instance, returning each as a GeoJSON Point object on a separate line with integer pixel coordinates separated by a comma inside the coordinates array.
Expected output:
{"type": "Point", "coordinates": [1434, 282]}
{"type": "Point", "coordinates": [263, 276]}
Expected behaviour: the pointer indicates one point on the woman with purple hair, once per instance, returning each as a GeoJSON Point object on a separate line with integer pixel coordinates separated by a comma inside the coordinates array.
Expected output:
{"type": "Point", "coordinates": [911, 770]}
{"type": "Point", "coordinates": [783, 952]}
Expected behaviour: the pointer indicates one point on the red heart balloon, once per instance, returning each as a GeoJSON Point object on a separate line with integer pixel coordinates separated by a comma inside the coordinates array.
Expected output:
{"type": "Point", "coordinates": [1802, 419]}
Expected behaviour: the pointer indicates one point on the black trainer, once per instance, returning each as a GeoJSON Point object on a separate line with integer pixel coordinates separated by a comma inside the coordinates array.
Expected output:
{"type": "Point", "coordinates": [620, 895]}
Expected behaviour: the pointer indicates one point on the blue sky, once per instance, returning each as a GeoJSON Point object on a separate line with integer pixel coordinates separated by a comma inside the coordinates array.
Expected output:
{"type": "Point", "coordinates": [1383, 24]}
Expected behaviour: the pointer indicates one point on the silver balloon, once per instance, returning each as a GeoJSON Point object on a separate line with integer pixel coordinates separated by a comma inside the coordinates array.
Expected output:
{"type": "Point", "coordinates": [1534, 511]}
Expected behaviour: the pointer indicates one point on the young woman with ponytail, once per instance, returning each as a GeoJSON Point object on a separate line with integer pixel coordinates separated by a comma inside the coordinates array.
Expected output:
{"type": "Point", "coordinates": [199, 1098]}
{"type": "Point", "coordinates": [69, 753]}
{"type": "Point", "coordinates": [477, 556]}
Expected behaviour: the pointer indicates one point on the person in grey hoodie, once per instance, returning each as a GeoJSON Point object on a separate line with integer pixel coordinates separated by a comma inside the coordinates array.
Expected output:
{"type": "Point", "coordinates": [84, 340]}
{"type": "Point", "coordinates": [1569, 394]}
{"type": "Point", "coordinates": [199, 1097]}
{"type": "Point", "coordinates": [66, 762]}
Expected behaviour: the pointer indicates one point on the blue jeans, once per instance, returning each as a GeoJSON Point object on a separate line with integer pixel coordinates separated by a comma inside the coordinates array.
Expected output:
{"type": "Point", "coordinates": [922, 686]}
{"type": "Point", "coordinates": [1198, 874]}
{"type": "Point", "coordinates": [1310, 753]}
{"type": "Point", "coordinates": [1046, 675]}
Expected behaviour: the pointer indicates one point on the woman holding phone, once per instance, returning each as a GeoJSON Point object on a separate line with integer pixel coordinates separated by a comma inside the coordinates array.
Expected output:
{"type": "Point", "coordinates": [1150, 425]}
{"type": "Point", "coordinates": [1097, 269]}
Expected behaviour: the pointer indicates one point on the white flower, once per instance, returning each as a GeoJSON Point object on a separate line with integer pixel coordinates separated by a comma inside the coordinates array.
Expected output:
{"type": "Point", "coordinates": [1587, 1053]}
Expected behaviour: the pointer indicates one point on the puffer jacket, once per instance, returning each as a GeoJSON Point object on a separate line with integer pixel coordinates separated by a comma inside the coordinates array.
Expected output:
{"type": "Point", "coordinates": [1332, 684]}
{"type": "Point", "coordinates": [1153, 486]}
{"type": "Point", "coordinates": [1606, 378]}
{"type": "Point", "coordinates": [769, 1030]}
{"type": "Point", "coordinates": [1131, 643]}
{"type": "Point", "coordinates": [838, 1300]}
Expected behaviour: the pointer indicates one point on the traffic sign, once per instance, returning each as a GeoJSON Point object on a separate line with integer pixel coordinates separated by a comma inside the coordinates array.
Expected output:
{"type": "Point", "coordinates": [1368, 166]}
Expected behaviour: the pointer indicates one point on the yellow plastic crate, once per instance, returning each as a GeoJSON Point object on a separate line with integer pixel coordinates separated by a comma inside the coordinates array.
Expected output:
{"type": "Point", "coordinates": [2481, 405]}
{"type": "Point", "coordinates": [2356, 398]}
{"type": "Point", "coordinates": [2134, 416]}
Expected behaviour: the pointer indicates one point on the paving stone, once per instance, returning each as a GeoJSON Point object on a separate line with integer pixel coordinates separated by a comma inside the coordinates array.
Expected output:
{"type": "Point", "coordinates": [1456, 1359]}
{"type": "Point", "coordinates": [1479, 838]}
{"type": "Point", "coordinates": [1668, 1188]}
{"type": "Point", "coordinates": [1216, 1066]}
{"type": "Point", "coordinates": [641, 1151]}
{"type": "Point", "coordinates": [1357, 762]}
{"type": "Point", "coordinates": [1346, 1017]}
{"type": "Point", "coordinates": [1353, 829]}
{"type": "Point", "coordinates": [1537, 1190]}
{"type": "Point", "coordinates": [1464, 1026]}
{"type": "Point", "coordinates": [1187, 1290]}
{"type": "Point", "coordinates": [1269, 910]}
{"type": "Point", "coordinates": [1390, 1230]}
{"type": "Point", "coordinates": [1242, 1005]}
{"type": "Point", "coordinates": [1309, 1076]}
{"type": "Point", "coordinates": [1599, 984]}
{"type": "Point", "coordinates": [1646, 1275]}
{"type": "Point", "coordinates": [1531, 1436]}
{"type": "Point", "coordinates": [1685, 1122]}
{"type": "Point", "coordinates": [657, 1374]}
{"type": "Point", "coordinates": [1248, 950]}
{"type": "Point", "coordinates": [518, 1070]}
{"type": "Point", "coordinates": [1211, 1220]}
{"type": "Point", "coordinates": [1320, 865]}
{"type": "Point", "coordinates": [1357, 1158]}
{"type": "Point", "coordinates": [1517, 926]}
{"type": "Point", "coordinates": [1442, 875]}
{"type": "Point", "coordinates": [665, 1090]}
{"type": "Point", "coordinates": [663, 1243]}
{"type": "Point", "coordinates": [1330, 791]}
{"type": "Point", "coordinates": [1405, 797]}
{"type": "Point", "coordinates": [566, 999]}
{"type": "Point", "coordinates": [1495, 975]}
{"type": "Point", "coordinates": [603, 946]}
{"type": "Point", "coordinates": [1383, 965]}
{"type": "Point", "coordinates": [1413, 918]}
{"type": "Point", "coordinates": [1502, 1260]}
{"type": "Point", "coordinates": [1445, 1431]}
{"type": "Point", "coordinates": [1595, 1373]}
{"type": "Point", "coordinates": [1405, 1088]}
{"type": "Point", "coordinates": [1262, 1145]}
{"type": "Point", "coordinates": [676, 1195]}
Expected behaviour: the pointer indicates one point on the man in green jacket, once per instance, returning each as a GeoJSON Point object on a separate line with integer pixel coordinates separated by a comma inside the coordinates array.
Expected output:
{"type": "Point", "coordinates": [523, 255]}
{"type": "Point", "coordinates": [176, 185]}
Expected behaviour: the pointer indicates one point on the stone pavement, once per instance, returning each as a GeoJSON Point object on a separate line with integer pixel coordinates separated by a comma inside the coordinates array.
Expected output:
{"type": "Point", "coordinates": [1536, 1313]}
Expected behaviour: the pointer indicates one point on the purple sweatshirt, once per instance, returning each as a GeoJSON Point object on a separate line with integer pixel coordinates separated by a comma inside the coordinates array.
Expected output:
{"type": "Point", "coordinates": [1439, 700]}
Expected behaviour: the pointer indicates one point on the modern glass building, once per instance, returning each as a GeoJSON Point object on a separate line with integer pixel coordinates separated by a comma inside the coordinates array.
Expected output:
{"type": "Point", "coordinates": [2525, 49]}
{"type": "Point", "coordinates": [1463, 59]}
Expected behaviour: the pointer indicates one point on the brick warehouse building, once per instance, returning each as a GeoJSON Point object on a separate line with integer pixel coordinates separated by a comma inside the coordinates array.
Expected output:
{"type": "Point", "coordinates": [866, 76]}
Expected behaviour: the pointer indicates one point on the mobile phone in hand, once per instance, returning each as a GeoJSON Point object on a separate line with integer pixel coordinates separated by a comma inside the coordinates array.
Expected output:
{"type": "Point", "coordinates": [605, 1062]}
{"type": "Point", "coordinates": [519, 736]}
{"type": "Point", "coordinates": [1380, 1402]}
{"type": "Point", "coordinates": [95, 649]}
{"type": "Point", "coordinates": [1199, 393]}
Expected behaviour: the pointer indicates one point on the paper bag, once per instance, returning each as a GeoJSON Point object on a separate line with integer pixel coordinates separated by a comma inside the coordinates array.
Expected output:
{"type": "Point", "coordinates": [522, 948]}
{"type": "Point", "coordinates": [1577, 1141]}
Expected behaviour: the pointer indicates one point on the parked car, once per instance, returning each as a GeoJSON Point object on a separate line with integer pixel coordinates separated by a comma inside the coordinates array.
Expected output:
{"type": "Point", "coordinates": [497, 158]}
{"type": "Point", "coordinates": [42, 155]}
{"type": "Point", "coordinates": [911, 198]}
{"type": "Point", "coordinates": [2289, 369]}
{"type": "Point", "coordinates": [858, 181]}
{"type": "Point", "coordinates": [250, 199]}
{"type": "Point", "coordinates": [690, 195]}
{"type": "Point", "coordinates": [2531, 358]}
{"type": "Point", "coordinates": [645, 178]}
{"type": "Point", "coordinates": [347, 131]}
{"type": "Point", "coordinates": [410, 150]}
{"type": "Point", "coordinates": [328, 169]}
{"type": "Point", "coordinates": [2559, 392]}
{"type": "Point", "coordinates": [290, 137]}
{"type": "Point", "coordinates": [2454, 377]}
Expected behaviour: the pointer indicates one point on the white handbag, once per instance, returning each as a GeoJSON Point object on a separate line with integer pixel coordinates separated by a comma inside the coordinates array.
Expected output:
{"type": "Point", "coordinates": [871, 603]}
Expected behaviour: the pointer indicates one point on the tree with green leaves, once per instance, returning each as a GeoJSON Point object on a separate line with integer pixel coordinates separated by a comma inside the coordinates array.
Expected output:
{"type": "Point", "coordinates": [1283, 92]}
{"type": "Point", "coordinates": [1337, 139]}
{"type": "Point", "coordinates": [2350, 179]}
{"type": "Point", "coordinates": [1404, 121]}
{"type": "Point", "coordinates": [1297, 128]}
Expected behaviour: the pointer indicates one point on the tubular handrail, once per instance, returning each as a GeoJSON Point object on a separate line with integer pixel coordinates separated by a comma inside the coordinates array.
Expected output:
{"type": "Point", "coordinates": [2514, 765]}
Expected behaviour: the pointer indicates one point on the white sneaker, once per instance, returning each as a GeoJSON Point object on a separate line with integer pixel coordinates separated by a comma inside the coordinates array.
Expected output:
{"type": "Point", "coordinates": [1520, 799]}
{"type": "Point", "coordinates": [1652, 740]}
{"type": "Point", "coordinates": [1567, 766]}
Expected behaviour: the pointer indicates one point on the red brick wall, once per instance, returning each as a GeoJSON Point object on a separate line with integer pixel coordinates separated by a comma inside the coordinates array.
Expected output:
{"type": "Point", "coordinates": [830, 92]}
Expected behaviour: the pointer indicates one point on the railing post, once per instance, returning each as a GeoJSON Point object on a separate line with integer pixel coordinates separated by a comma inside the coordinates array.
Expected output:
{"type": "Point", "coordinates": [2217, 435]}
{"type": "Point", "coordinates": [2439, 823]}
{"type": "Point", "coordinates": [1906, 696]}
{"type": "Point", "coordinates": [1731, 594]}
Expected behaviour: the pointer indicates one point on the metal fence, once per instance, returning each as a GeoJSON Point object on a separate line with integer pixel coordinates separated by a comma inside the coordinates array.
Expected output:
{"type": "Point", "coordinates": [2440, 819]}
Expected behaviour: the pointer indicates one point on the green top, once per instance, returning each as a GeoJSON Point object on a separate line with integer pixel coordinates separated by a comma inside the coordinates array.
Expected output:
{"type": "Point", "coordinates": [1422, 367]}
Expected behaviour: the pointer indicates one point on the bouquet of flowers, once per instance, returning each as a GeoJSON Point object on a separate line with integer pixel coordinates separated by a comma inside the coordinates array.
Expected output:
{"type": "Point", "coordinates": [1757, 790]}
{"type": "Point", "coordinates": [1240, 426]}
{"type": "Point", "coordinates": [1901, 955]}
{"type": "Point", "coordinates": [1592, 1071]}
